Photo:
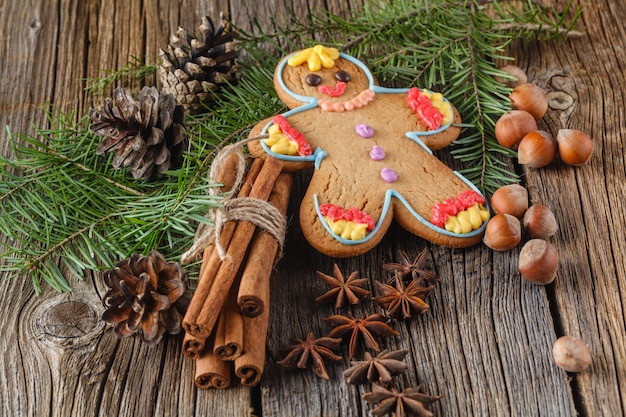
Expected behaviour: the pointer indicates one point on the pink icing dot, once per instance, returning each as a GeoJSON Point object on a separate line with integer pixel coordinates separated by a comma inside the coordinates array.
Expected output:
{"type": "Point", "coordinates": [377, 153]}
{"type": "Point", "coordinates": [388, 175]}
{"type": "Point", "coordinates": [363, 130]}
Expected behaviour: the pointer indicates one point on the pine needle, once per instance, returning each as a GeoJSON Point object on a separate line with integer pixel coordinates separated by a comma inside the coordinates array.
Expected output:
{"type": "Point", "coordinates": [136, 69]}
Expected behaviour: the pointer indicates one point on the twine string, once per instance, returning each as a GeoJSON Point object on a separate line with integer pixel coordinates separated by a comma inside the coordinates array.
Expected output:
{"type": "Point", "coordinates": [259, 212]}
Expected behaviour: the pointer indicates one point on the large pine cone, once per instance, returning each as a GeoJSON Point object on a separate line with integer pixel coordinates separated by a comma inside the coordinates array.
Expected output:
{"type": "Point", "coordinates": [148, 134]}
{"type": "Point", "coordinates": [148, 296]}
{"type": "Point", "coordinates": [193, 69]}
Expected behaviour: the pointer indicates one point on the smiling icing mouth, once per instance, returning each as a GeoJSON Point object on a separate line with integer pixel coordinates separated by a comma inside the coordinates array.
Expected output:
{"type": "Point", "coordinates": [338, 91]}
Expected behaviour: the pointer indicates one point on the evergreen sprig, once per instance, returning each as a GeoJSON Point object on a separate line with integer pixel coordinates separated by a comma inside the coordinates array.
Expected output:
{"type": "Point", "coordinates": [449, 46]}
{"type": "Point", "coordinates": [63, 208]}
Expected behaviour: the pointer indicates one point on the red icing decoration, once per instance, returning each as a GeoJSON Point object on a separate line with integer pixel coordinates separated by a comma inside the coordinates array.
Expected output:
{"type": "Point", "coordinates": [450, 207]}
{"type": "Point", "coordinates": [339, 89]}
{"type": "Point", "coordinates": [352, 215]}
{"type": "Point", "coordinates": [304, 148]}
{"type": "Point", "coordinates": [421, 104]}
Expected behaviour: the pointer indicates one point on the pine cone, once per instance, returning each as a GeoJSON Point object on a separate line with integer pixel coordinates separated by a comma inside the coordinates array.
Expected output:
{"type": "Point", "coordinates": [148, 296]}
{"type": "Point", "coordinates": [148, 134]}
{"type": "Point", "coordinates": [193, 69]}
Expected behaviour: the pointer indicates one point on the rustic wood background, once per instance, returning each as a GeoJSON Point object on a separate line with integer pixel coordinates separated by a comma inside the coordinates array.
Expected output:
{"type": "Point", "coordinates": [485, 345]}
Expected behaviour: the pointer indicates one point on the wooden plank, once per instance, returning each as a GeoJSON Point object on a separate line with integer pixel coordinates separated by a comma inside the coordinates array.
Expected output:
{"type": "Point", "coordinates": [27, 80]}
{"type": "Point", "coordinates": [29, 39]}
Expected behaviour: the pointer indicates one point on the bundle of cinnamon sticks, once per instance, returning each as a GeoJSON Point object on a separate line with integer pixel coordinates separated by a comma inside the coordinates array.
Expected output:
{"type": "Point", "coordinates": [227, 320]}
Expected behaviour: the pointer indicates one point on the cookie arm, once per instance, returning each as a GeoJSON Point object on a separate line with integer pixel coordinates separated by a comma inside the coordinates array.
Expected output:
{"type": "Point", "coordinates": [256, 149]}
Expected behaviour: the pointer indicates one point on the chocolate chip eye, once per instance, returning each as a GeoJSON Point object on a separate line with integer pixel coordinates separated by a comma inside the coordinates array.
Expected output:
{"type": "Point", "coordinates": [313, 80]}
{"type": "Point", "coordinates": [341, 75]}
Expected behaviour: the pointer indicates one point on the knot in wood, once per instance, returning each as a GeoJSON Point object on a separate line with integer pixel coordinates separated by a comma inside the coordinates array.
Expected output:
{"type": "Point", "coordinates": [67, 323]}
{"type": "Point", "coordinates": [34, 24]}
{"type": "Point", "coordinates": [564, 93]}
{"type": "Point", "coordinates": [559, 100]}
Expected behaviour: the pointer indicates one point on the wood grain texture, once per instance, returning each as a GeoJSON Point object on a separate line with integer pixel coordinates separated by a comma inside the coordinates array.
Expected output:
{"type": "Point", "coordinates": [484, 345]}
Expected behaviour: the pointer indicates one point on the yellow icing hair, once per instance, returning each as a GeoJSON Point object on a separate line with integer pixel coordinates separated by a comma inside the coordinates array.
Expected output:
{"type": "Point", "coordinates": [317, 57]}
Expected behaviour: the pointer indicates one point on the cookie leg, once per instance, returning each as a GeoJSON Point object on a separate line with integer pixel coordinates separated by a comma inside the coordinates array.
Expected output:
{"type": "Point", "coordinates": [339, 220]}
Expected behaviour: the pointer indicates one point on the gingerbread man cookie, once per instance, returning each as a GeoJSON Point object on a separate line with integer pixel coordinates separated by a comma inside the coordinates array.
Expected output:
{"type": "Point", "coordinates": [371, 149]}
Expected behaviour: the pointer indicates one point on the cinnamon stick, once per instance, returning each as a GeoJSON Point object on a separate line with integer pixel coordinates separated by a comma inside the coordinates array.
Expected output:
{"type": "Point", "coordinates": [192, 345]}
{"type": "Point", "coordinates": [229, 330]}
{"type": "Point", "coordinates": [210, 267]}
{"type": "Point", "coordinates": [254, 289]}
{"type": "Point", "coordinates": [227, 174]}
{"type": "Point", "coordinates": [249, 366]}
{"type": "Point", "coordinates": [236, 251]}
{"type": "Point", "coordinates": [211, 371]}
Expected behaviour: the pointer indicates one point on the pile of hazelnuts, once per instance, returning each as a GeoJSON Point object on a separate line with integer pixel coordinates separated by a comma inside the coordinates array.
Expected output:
{"type": "Point", "coordinates": [517, 129]}
{"type": "Point", "coordinates": [538, 258]}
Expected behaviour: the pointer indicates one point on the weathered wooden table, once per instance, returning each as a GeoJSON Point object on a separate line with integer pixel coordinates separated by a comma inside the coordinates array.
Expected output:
{"type": "Point", "coordinates": [485, 345]}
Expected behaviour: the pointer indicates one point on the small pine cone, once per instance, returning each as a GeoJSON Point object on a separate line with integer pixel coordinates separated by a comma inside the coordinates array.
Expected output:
{"type": "Point", "coordinates": [148, 134]}
{"type": "Point", "coordinates": [148, 296]}
{"type": "Point", "coordinates": [193, 69]}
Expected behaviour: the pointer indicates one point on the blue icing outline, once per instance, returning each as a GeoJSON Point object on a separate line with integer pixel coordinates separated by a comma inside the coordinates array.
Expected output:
{"type": "Point", "coordinates": [388, 195]}
{"type": "Point", "coordinates": [319, 154]}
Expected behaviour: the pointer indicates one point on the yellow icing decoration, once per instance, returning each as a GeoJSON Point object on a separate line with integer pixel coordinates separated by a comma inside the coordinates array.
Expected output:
{"type": "Point", "coordinates": [439, 103]}
{"type": "Point", "coordinates": [317, 57]}
{"type": "Point", "coordinates": [347, 229]}
{"type": "Point", "coordinates": [467, 220]}
{"type": "Point", "coordinates": [279, 143]}
{"type": "Point", "coordinates": [326, 55]}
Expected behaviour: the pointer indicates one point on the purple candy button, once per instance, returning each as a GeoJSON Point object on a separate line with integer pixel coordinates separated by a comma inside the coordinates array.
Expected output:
{"type": "Point", "coordinates": [388, 175]}
{"type": "Point", "coordinates": [363, 130]}
{"type": "Point", "coordinates": [377, 153]}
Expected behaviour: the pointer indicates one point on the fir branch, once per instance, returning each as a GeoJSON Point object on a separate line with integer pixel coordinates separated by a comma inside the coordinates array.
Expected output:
{"type": "Point", "coordinates": [537, 28]}
{"type": "Point", "coordinates": [65, 208]}
{"type": "Point", "coordinates": [62, 203]}
{"type": "Point", "coordinates": [450, 46]}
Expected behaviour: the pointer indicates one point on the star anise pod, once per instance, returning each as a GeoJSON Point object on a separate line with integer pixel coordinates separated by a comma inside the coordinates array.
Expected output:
{"type": "Point", "coordinates": [313, 352]}
{"type": "Point", "coordinates": [401, 301]}
{"type": "Point", "coordinates": [415, 268]}
{"type": "Point", "coordinates": [408, 402]}
{"type": "Point", "coordinates": [368, 328]}
{"type": "Point", "coordinates": [341, 289]}
{"type": "Point", "coordinates": [379, 369]}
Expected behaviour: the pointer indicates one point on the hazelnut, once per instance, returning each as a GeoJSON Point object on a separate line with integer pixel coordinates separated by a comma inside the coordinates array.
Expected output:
{"type": "Point", "coordinates": [514, 71]}
{"type": "Point", "coordinates": [511, 199]}
{"type": "Point", "coordinates": [571, 353]}
{"type": "Point", "coordinates": [537, 149]}
{"type": "Point", "coordinates": [575, 147]}
{"type": "Point", "coordinates": [503, 232]}
{"type": "Point", "coordinates": [539, 222]}
{"type": "Point", "coordinates": [512, 126]}
{"type": "Point", "coordinates": [531, 98]}
{"type": "Point", "coordinates": [538, 261]}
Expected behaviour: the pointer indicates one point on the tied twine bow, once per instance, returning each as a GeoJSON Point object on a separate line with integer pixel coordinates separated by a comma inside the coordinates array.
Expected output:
{"type": "Point", "coordinates": [259, 212]}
